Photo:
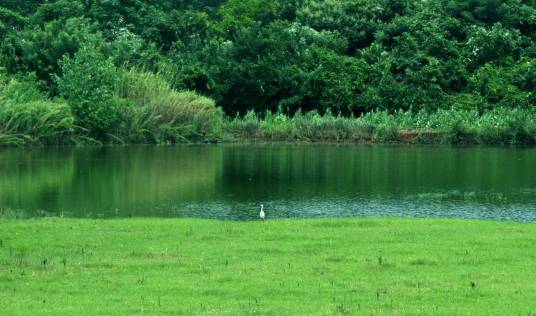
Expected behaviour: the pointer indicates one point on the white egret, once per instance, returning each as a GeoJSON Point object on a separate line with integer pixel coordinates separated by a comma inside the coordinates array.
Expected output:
{"type": "Point", "coordinates": [262, 215]}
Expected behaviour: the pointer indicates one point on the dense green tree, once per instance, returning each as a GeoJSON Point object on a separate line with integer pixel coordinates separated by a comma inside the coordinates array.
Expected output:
{"type": "Point", "coordinates": [10, 21]}
{"type": "Point", "coordinates": [238, 14]}
{"type": "Point", "coordinates": [496, 44]}
{"type": "Point", "coordinates": [38, 49]}
{"type": "Point", "coordinates": [357, 21]}
{"type": "Point", "coordinates": [348, 56]}
{"type": "Point", "coordinates": [59, 10]}
{"type": "Point", "coordinates": [24, 7]}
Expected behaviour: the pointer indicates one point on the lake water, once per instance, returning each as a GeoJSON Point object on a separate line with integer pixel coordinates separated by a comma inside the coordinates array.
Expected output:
{"type": "Point", "coordinates": [229, 182]}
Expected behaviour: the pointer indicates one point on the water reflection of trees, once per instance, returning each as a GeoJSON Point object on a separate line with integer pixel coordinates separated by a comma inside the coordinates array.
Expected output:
{"type": "Point", "coordinates": [34, 178]}
{"type": "Point", "coordinates": [101, 180]}
{"type": "Point", "coordinates": [261, 173]}
{"type": "Point", "coordinates": [154, 180]}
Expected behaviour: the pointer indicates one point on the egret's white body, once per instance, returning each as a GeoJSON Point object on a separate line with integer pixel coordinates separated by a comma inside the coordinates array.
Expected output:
{"type": "Point", "coordinates": [262, 215]}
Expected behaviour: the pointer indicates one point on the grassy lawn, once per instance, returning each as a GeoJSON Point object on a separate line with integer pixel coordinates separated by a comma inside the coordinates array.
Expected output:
{"type": "Point", "coordinates": [319, 267]}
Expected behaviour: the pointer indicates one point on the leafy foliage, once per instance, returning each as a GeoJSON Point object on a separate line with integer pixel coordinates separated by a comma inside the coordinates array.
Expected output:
{"type": "Point", "coordinates": [87, 82]}
{"type": "Point", "coordinates": [39, 48]}
{"type": "Point", "coordinates": [282, 56]}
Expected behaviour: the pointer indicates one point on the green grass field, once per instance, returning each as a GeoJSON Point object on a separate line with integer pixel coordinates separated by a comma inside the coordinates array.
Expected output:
{"type": "Point", "coordinates": [317, 267]}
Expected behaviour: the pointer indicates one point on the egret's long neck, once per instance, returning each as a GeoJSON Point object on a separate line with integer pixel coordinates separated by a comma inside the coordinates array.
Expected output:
{"type": "Point", "coordinates": [262, 207]}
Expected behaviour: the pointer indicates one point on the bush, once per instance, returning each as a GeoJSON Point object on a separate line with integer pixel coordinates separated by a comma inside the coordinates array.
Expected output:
{"type": "Point", "coordinates": [87, 82]}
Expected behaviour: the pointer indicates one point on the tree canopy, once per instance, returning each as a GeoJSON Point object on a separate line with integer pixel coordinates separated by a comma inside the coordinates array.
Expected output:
{"type": "Point", "coordinates": [346, 56]}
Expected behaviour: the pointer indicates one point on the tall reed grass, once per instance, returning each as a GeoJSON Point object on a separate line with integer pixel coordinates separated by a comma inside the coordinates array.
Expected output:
{"type": "Point", "coordinates": [28, 118]}
{"type": "Point", "coordinates": [157, 113]}
{"type": "Point", "coordinates": [498, 126]}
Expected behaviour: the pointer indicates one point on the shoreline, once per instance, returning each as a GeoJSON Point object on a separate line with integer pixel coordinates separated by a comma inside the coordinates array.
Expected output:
{"type": "Point", "coordinates": [10, 215]}
{"type": "Point", "coordinates": [406, 141]}
{"type": "Point", "coordinates": [445, 127]}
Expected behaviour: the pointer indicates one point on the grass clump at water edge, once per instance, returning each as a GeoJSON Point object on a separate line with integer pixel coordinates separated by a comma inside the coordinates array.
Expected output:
{"type": "Point", "coordinates": [159, 114]}
{"type": "Point", "coordinates": [499, 126]}
{"type": "Point", "coordinates": [28, 118]}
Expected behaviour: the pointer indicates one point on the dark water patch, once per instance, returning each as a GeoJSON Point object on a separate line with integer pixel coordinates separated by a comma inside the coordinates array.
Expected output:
{"type": "Point", "coordinates": [229, 182]}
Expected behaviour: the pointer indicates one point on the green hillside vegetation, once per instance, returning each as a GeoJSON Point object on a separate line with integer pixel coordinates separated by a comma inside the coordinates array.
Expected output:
{"type": "Point", "coordinates": [75, 72]}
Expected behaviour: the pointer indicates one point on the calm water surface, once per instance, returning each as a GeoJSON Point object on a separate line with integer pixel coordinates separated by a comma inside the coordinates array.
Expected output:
{"type": "Point", "coordinates": [229, 182]}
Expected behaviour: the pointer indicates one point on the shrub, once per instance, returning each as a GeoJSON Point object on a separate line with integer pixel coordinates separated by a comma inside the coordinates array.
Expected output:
{"type": "Point", "coordinates": [275, 127]}
{"type": "Point", "coordinates": [87, 82]}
